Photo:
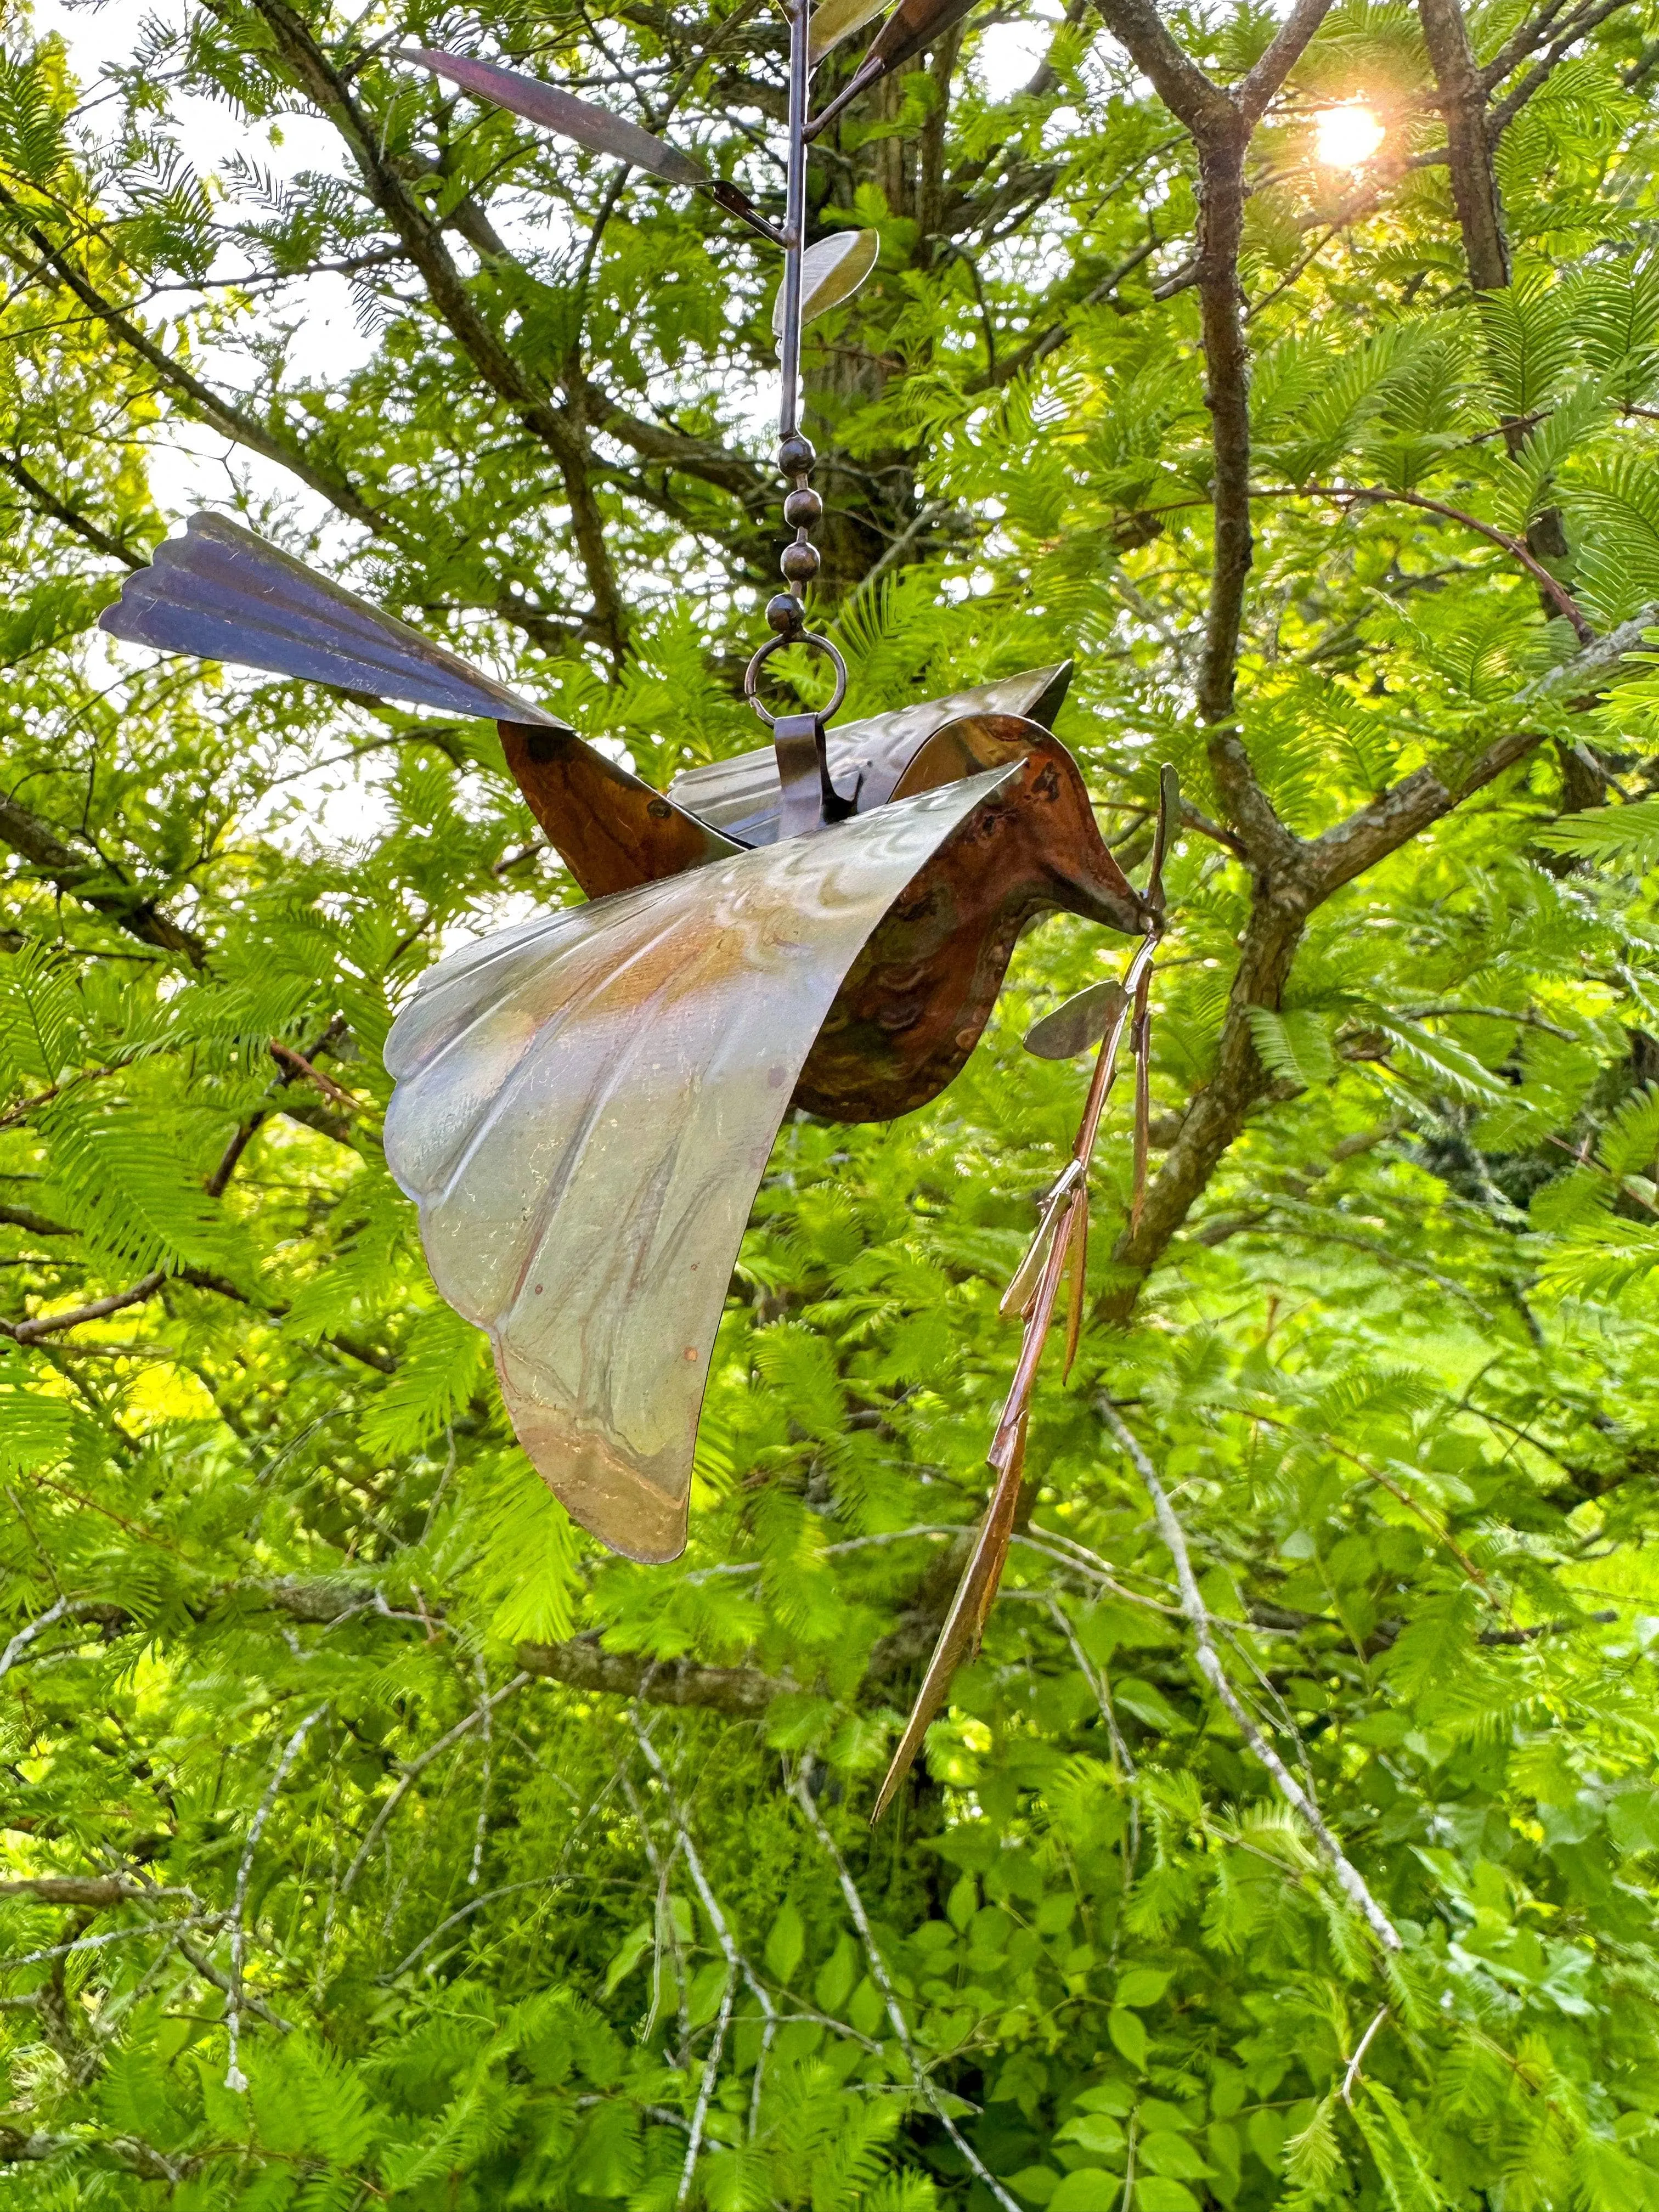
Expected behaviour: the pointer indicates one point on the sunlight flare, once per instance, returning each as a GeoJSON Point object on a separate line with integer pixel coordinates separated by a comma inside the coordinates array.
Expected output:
{"type": "Point", "coordinates": [1346, 138]}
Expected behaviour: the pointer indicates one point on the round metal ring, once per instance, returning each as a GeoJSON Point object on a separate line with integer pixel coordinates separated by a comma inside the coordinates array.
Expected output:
{"type": "Point", "coordinates": [751, 674]}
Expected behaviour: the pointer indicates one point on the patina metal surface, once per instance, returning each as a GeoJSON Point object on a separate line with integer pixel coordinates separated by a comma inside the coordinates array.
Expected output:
{"type": "Point", "coordinates": [922, 990]}
{"type": "Point", "coordinates": [583, 1110]}
{"type": "Point", "coordinates": [742, 796]}
{"type": "Point", "coordinates": [584, 1105]}
{"type": "Point", "coordinates": [612, 831]}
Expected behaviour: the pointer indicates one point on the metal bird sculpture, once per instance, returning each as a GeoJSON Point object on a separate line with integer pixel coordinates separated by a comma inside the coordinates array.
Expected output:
{"type": "Point", "coordinates": [584, 1105]}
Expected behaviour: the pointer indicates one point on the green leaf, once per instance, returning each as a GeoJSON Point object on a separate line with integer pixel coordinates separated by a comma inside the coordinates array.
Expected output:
{"type": "Point", "coordinates": [785, 1943]}
{"type": "Point", "coordinates": [1312, 2156]}
{"type": "Point", "coordinates": [1295, 1045]}
{"type": "Point", "coordinates": [1088, 2190]}
{"type": "Point", "coordinates": [1128, 2036]}
{"type": "Point", "coordinates": [1628, 832]}
{"type": "Point", "coordinates": [1156, 2193]}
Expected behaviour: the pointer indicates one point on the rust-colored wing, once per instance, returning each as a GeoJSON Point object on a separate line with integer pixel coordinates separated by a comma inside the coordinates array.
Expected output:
{"type": "Point", "coordinates": [583, 1110]}
{"type": "Point", "coordinates": [612, 831]}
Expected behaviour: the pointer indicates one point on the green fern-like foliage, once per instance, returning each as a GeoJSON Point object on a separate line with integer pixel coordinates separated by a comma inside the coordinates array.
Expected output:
{"type": "Point", "coordinates": [371, 1837]}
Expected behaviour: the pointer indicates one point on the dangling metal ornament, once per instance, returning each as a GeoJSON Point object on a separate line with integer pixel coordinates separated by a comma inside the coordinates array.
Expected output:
{"type": "Point", "coordinates": [584, 1105]}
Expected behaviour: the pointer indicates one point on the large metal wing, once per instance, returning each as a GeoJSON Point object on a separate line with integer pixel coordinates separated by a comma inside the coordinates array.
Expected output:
{"type": "Point", "coordinates": [583, 1110]}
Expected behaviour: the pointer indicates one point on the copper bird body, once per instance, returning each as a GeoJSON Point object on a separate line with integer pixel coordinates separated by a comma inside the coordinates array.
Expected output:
{"type": "Point", "coordinates": [584, 1105]}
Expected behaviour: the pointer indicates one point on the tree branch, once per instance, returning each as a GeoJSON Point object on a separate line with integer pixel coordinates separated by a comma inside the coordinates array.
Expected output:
{"type": "Point", "coordinates": [742, 1692]}
{"type": "Point", "coordinates": [1286, 895]}
{"type": "Point", "coordinates": [1463, 104]}
{"type": "Point", "coordinates": [1192, 98]}
{"type": "Point", "coordinates": [39, 844]}
{"type": "Point", "coordinates": [48, 502]}
{"type": "Point", "coordinates": [213, 409]}
{"type": "Point", "coordinates": [1290, 41]}
{"type": "Point", "coordinates": [1353, 1882]}
{"type": "Point", "coordinates": [424, 241]}
{"type": "Point", "coordinates": [1516, 548]}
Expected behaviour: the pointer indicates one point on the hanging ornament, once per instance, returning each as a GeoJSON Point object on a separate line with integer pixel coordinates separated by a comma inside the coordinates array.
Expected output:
{"type": "Point", "coordinates": [584, 1105]}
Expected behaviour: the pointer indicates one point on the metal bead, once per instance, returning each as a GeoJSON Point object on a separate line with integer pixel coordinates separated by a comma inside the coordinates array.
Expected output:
{"type": "Point", "coordinates": [785, 614]}
{"type": "Point", "coordinates": [802, 508]}
{"type": "Point", "coordinates": [799, 562]}
{"type": "Point", "coordinates": [795, 455]}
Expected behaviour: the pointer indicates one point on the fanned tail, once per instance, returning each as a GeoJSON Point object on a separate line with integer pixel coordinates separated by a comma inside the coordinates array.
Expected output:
{"type": "Point", "coordinates": [224, 594]}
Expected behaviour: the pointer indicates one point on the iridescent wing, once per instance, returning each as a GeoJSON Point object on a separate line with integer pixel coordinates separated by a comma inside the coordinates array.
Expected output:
{"type": "Point", "coordinates": [222, 592]}
{"type": "Point", "coordinates": [583, 1110]}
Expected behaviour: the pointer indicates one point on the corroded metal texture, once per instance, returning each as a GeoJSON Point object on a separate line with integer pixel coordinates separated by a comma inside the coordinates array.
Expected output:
{"type": "Point", "coordinates": [612, 831]}
{"type": "Point", "coordinates": [921, 991]}
{"type": "Point", "coordinates": [222, 592]}
{"type": "Point", "coordinates": [742, 796]}
{"type": "Point", "coordinates": [583, 1110]}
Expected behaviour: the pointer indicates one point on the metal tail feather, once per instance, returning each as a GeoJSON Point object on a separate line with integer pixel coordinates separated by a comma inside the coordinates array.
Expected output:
{"type": "Point", "coordinates": [961, 1632]}
{"type": "Point", "coordinates": [222, 592]}
{"type": "Point", "coordinates": [1076, 1291]}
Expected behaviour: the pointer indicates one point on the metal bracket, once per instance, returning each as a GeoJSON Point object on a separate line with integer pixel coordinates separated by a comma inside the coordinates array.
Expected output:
{"type": "Point", "coordinates": [810, 801]}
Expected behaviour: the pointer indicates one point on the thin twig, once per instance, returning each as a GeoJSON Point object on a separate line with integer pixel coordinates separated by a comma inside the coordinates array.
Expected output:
{"type": "Point", "coordinates": [1348, 1875]}
{"type": "Point", "coordinates": [736, 1963]}
{"type": "Point", "coordinates": [26, 1635]}
{"type": "Point", "coordinates": [416, 1767]}
{"type": "Point", "coordinates": [473, 1904]}
{"type": "Point", "coordinates": [235, 2077]}
{"type": "Point", "coordinates": [28, 1331]}
{"type": "Point", "coordinates": [879, 1975]}
{"type": "Point", "coordinates": [1352, 2073]}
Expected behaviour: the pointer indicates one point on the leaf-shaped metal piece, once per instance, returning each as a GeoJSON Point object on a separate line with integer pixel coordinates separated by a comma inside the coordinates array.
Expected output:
{"type": "Point", "coordinates": [831, 271]}
{"type": "Point", "coordinates": [1077, 1023]}
{"type": "Point", "coordinates": [596, 128]}
{"type": "Point", "coordinates": [832, 20]}
{"type": "Point", "coordinates": [912, 25]}
{"type": "Point", "coordinates": [1168, 817]}
{"type": "Point", "coordinates": [222, 592]}
{"type": "Point", "coordinates": [583, 1110]}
